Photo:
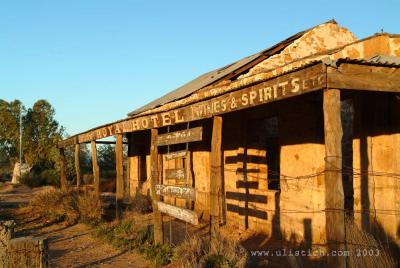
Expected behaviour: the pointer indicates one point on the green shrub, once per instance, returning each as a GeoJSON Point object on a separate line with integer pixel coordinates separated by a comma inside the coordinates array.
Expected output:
{"type": "Point", "coordinates": [37, 178]}
{"type": "Point", "coordinates": [126, 234]}
{"type": "Point", "coordinates": [50, 177]}
{"type": "Point", "coordinates": [159, 255]}
{"type": "Point", "coordinates": [129, 235]}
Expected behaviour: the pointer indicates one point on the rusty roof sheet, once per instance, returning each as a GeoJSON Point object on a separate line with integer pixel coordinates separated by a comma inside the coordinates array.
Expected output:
{"type": "Point", "coordinates": [216, 75]}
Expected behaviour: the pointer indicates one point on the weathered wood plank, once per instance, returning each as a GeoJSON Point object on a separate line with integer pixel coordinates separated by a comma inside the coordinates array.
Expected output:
{"type": "Point", "coordinates": [119, 158]}
{"type": "Point", "coordinates": [176, 191]}
{"type": "Point", "coordinates": [63, 172]}
{"type": "Point", "coordinates": [216, 173]}
{"type": "Point", "coordinates": [175, 155]}
{"type": "Point", "coordinates": [77, 165]}
{"type": "Point", "coordinates": [182, 136]}
{"type": "Point", "coordinates": [157, 217]}
{"type": "Point", "coordinates": [364, 77]}
{"type": "Point", "coordinates": [96, 170]}
{"type": "Point", "coordinates": [67, 142]}
{"type": "Point", "coordinates": [179, 213]}
{"type": "Point", "coordinates": [334, 196]}
{"type": "Point", "coordinates": [175, 174]}
{"type": "Point", "coordinates": [285, 86]}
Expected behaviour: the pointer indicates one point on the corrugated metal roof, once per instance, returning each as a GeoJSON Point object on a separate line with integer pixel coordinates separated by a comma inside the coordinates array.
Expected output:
{"type": "Point", "coordinates": [216, 75]}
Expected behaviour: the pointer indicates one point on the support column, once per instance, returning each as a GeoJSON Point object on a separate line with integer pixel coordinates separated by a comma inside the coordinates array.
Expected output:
{"type": "Point", "coordinates": [335, 222]}
{"type": "Point", "coordinates": [216, 173]}
{"type": "Point", "coordinates": [157, 217]}
{"type": "Point", "coordinates": [119, 157]}
{"type": "Point", "coordinates": [96, 171]}
{"type": "Point", "coordinates": [77, 165]}
{"type": "Point", "coordinates": [63, 173]}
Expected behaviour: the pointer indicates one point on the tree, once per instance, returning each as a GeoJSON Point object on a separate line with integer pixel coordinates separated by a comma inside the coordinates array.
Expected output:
{"type": "Point", "coordinates": [106, 159]}
{"type": "Point", "coordinates": [9, 130]}
{"type": "Point", "coordinates": [41, 134]}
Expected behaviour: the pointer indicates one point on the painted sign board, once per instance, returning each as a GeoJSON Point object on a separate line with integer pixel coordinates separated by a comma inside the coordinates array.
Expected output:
{"type": "Point", "coordinates": [182, 136]}
{"type": "Point", "coordinates": [179, 213]}
{"type": "Point", "coordinates": [176, 191]}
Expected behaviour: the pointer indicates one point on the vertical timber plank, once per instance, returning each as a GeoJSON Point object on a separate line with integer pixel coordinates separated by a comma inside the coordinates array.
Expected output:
{"type": "Point", "coordinates": [120, 173]}
{"type": "Point", "coordinates": [216, 173]}
{"type": "Point", "coordinates": [335, 227]}
{"type": "Point", "coordinates": [157, 217]}
{"type": "Point", "coordinates": [96, 171]}
{"type": "Point", "coordinates": [77, 165]}
{"type": "Point", "coordinates": [63, 173]}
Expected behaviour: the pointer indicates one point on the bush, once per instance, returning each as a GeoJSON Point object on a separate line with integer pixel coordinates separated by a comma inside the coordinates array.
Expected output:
{"type": "Point", "coordinates": [198, 252]}
{"type": "Point", "coordinates": [131, 235]}
{"type": "Point", "coordinates": [90, 209]}
{"type": "Point", "coordinates": [141, 203]}
{"type": "Point", "coordinates": [159, 255]}
{"type": "Point", "coordinates": [191, 252]}
{"type": "Point", "coordinates": [37, 178]}
{"type": "Point", "coordinates": [56, 205]}
{"type": "Point", "coordinates": [127, 234]}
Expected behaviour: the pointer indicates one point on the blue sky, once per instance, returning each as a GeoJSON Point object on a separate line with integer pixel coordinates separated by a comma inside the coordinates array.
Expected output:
{"type": "Point", "coordinates": [95, 61]}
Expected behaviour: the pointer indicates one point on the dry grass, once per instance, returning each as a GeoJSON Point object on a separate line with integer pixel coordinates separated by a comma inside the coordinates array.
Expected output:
{"type": "Point", "coordinates": [363, 247]}
{"type": "Point", "coordinates": [89, 207]}
{"type": "Point", "coordinates": [55, 205]}
{"type": "Point", "coordinates": [199, 252]}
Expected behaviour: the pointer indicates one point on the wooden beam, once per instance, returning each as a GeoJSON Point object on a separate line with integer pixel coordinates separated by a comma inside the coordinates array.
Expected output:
{"type": "Point", "coordinates": [96, 170]}
{"type": "Point", "coordinates": [364, 77]}
{"type": "Point", "coordinates": [334, 197]}
{"type": "Point", "coordinates": [157, 217]}
{"type": "Point", "coordinates": [63, 173]}
{"type": "Point", "coordinates": [119, 158]}
{"type": "Point", "coordinates": [216, 173]}
{"type": "Point", "coordinates": [77, 165]}
{"type": "Point", "coordinates": [106, 142]}
{"type": "Point", "coordinates": [285, 86]}
{"type": "Point", "coordinates": [180, 213]}
{"type": "Point", "coordinates": [67, 142]}
{"type": "Point", "coordinates": [176, 191]}
{"type": "Point", "coordinates": [181, 136]}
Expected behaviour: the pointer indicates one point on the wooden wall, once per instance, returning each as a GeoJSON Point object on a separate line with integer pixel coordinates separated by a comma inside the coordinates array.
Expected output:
{"type": "Point", "coordinates": [296, 212]}
{"type": "Point", "coordinates": [376, 154]}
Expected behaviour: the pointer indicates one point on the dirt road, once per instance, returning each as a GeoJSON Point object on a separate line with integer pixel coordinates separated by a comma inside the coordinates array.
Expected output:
{"type": "Point", "coordinates": [69, 246]}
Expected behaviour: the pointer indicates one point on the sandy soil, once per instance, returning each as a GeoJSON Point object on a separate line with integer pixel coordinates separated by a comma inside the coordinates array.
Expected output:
{"type": "Point", "coordinates": [69, 246]}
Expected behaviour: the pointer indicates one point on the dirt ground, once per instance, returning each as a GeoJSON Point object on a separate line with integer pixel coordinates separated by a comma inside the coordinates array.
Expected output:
{"type": "Point", "coordinates": [69, 246]}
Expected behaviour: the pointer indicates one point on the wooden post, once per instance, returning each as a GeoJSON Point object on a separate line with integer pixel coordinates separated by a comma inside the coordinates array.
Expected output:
{"type": "Point", "coordinates": [335, 222]}
{"type": "Point", "coordinates": [77, 165]}
{"type": "Point", "coordinates": [120, 173]}
{"type": "Point", "coordinates": [96, 171]}
{"type": "Point", "coordinates": [63, 172]}
{"type": "Point", "coordinates": [216, 173]}
{"type": "Point", "coordinates": [157, 217]}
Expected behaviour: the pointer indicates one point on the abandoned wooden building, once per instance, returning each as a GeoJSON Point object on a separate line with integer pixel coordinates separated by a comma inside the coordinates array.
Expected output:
{"type": "Point", "coordinates": [286, 141]}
